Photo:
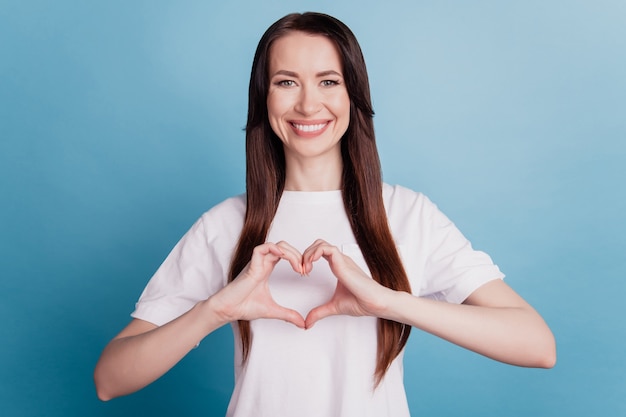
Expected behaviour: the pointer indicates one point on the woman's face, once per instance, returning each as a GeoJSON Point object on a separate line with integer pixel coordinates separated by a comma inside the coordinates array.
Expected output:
{"type": "Point", "coordinates": [308, 104]}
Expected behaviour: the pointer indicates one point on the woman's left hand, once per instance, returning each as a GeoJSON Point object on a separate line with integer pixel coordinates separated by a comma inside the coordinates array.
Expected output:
{"type": "Point", "coordinates": [356, 293]}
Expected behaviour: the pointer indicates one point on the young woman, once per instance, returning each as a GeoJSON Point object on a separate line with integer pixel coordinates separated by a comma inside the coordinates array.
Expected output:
{"type": "Point", "coordinates": [321, 267]}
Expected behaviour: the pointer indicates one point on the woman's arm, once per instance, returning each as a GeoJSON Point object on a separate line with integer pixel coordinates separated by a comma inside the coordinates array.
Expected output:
{"type": "Point", "coordinates": [493, 321]}
{"type": "Point", "coordinates": [143, 352]}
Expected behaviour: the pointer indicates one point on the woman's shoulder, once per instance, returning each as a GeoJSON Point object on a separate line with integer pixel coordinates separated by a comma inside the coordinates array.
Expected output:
{"type": "Point", "coordinates": [236, 202]}
{"type": "Point", "coordinates": [228, 212]}
{"type": "Point", "coordinates": [400, 194]}
{"type": "Point", "coordinates": [401, 201]}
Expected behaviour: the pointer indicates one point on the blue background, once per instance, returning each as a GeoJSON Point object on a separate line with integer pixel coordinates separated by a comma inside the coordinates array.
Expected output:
{"type": "Point", "coordinates": [121, 122]}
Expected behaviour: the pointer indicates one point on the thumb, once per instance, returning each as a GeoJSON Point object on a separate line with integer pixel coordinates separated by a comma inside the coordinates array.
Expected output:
{"type": "Point", "coordinates": [319, 313]}
{"type": "Point", "coordinates": [288, 315]}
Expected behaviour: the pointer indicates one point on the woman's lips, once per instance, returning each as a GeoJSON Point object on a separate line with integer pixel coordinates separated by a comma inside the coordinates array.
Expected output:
{"type": "Point", "coordinates": [309, 129]}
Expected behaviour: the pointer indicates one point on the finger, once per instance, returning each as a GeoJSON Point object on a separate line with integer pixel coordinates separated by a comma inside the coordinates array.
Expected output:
{"type": "Point", "coordinates": [333, 256]}
{"type": "Point", "coordinates": [287, 247]}
{"type": "Point", "coordinates": [292, 255]}
{"type": "Point", "coordinates": [318, 313]}
{"type": "Point", "coordinates": [314, 246]}
{"type": "Point", "coordinates": [267, 248]}
{"type": "Point", "coordinates": [264, 259]}
{"type": "Point", "coordinates": [314, 252]}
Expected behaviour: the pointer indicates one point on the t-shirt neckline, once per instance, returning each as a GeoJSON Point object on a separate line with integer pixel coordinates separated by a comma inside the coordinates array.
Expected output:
{"type": "Point", "coordinates": [311, 196]}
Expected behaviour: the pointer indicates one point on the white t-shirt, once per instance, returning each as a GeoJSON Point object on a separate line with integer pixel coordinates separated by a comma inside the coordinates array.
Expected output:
{"type": "Point", "coordinates": [327, 370]}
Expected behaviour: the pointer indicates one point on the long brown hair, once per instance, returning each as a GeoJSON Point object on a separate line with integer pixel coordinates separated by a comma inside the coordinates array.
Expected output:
{"type": "Point", "coordinates": [361, 178]}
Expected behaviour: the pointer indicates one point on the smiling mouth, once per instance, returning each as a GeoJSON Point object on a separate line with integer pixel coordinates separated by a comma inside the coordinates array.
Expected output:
{"type": "Point", "coordinates": [309, 128]}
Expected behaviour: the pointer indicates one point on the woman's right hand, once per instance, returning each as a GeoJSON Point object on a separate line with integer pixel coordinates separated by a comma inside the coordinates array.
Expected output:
{"type": "Point", "coordinates": [143, 352]}
{"type": "Point", "coordinates": [248, 296]}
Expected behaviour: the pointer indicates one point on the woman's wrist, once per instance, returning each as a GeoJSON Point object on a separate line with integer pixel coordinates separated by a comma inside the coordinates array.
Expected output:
{"type": "Point", "coordinates": [395, 304]}
{"type": "Point", "coordinates": [214, 313]}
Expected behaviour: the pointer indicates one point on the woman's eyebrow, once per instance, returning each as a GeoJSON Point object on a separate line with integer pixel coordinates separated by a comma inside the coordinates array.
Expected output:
{"type": "Point", "coordinates": [328, 72]}
{"type": "Point", "coordinates": [295, 74]}
{"type": "Point", "coordinates": [286, 73]}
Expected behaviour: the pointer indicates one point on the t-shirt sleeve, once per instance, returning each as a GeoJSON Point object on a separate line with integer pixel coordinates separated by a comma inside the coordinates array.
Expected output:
{"type": "Point", "coordinates": [453, 269]}
{"type": "Point", "coordinates": [194, 270]}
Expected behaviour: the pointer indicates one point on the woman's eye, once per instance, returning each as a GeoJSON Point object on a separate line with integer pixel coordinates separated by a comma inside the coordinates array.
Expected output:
{"type": "Point", "coordinates": [286, 83]}
{"type": "Point", "coordinates": [329, 83]}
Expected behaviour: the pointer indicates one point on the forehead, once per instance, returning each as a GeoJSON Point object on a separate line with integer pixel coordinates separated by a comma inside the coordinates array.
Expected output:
{"type": "Point", "coordinates": [303, 51]}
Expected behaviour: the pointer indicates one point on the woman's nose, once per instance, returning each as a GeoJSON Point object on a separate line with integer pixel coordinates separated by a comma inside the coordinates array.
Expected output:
{"type": "Point", "coordinates": [309, 101]}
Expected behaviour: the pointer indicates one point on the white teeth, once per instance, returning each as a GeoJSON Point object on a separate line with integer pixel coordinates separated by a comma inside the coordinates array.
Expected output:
{"type": "Point", "coordinates": [309, 128]}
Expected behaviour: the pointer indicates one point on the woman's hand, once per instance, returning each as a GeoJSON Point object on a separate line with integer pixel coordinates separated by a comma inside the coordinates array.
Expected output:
{"type": "Point", "coordinates": [248, 296]}
{"type": "Point", "coordinates": [356, 293]}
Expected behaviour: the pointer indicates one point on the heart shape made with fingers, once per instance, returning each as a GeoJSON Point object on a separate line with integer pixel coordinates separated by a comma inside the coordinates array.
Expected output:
{"type": "Point", "coordinates": [319, 292]}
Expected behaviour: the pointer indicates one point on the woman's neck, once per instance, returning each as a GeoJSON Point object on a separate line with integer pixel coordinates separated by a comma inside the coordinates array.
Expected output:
{"type": "Point", "coordinates": [320, 175]}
